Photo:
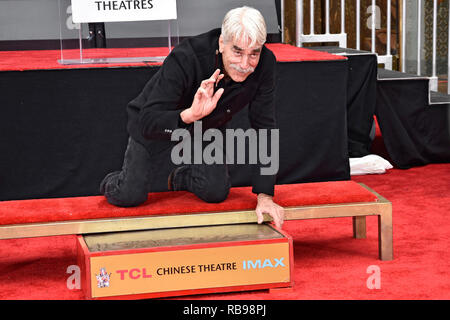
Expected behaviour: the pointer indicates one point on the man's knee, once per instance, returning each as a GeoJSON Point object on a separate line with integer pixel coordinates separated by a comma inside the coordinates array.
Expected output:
{"type": "Point", "coordinates": [215, 193]}
{"type": "Point", "coordinates": [121, 195]}
{"type": "Point", "coordinates": [126, 200]}
{"type": "Point", "coordinates": [128, 188]}
{"type": "Point", "coordinates": [215, 185]}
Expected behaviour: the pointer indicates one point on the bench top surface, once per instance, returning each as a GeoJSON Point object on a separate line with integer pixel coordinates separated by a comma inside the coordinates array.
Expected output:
{"type": "Point", "coordinates": [179, 202]}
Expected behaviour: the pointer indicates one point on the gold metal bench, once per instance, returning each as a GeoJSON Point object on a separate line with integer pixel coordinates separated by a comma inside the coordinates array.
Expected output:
{"type": "Point", "coordinates": [358, 210]}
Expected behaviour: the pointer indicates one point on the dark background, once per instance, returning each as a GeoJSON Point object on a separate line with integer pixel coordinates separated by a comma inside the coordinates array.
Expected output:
{"type": "Point", "coordinates": [62, 131]}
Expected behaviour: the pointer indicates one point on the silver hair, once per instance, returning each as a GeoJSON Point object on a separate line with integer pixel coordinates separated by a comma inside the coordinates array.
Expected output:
{"type": "Point", "coordinates": [246, 23]}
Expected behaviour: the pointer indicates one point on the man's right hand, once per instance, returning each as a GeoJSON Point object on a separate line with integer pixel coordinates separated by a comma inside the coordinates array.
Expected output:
{"type": "Point", "coordinates": [205, 100]}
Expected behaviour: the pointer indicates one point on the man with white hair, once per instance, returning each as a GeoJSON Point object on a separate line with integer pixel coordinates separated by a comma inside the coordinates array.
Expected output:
{"type": "Point", "coordinates": [207, 78]}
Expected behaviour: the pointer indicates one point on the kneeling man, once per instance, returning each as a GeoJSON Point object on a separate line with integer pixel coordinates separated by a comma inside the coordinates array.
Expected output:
{"type": "Point", "coordinates": [206, 78]}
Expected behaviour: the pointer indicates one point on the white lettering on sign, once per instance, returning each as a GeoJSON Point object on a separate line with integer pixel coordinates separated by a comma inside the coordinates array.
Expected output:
{"type": "Point", "coordinates": [84, 11]}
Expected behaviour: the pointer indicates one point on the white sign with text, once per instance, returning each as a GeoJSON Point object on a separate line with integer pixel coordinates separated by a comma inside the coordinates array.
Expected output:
{"type": "Point", "coordinates": [84, 11]}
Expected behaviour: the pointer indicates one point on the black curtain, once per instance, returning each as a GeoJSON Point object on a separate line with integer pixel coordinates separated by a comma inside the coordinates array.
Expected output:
{"type": "Point", "coordinates": [64, 130]}
{"type": "Point", "coordinates": [414, 132]}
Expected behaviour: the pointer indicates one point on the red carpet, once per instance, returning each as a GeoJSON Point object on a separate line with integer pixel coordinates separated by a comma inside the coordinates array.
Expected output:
{"type": "Point", "coordinates": [329, 263]}
{"type": "Point", "coordinates": [48, 59]}
{"type": "Point", "coordinates": [96, 207]}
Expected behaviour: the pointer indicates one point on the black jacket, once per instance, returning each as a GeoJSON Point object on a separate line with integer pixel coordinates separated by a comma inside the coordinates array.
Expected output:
{"type": "Point", "coordinates": [155, 113]}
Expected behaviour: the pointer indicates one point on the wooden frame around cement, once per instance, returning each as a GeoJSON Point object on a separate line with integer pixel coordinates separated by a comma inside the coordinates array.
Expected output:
{"type": "Point", "coordinates": [358, 210]}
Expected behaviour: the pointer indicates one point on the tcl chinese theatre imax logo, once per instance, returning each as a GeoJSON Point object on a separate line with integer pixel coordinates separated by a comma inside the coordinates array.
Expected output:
{"type": "Point", "coordinates": [145, 273]}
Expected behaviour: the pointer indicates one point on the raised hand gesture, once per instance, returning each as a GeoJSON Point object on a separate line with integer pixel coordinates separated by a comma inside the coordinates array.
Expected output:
{"type": "Point", "coordinates": [205, 100]}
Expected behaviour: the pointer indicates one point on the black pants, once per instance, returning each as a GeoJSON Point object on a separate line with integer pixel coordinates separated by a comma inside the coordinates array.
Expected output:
{"type": "Point", "coordinates": [129, 187]}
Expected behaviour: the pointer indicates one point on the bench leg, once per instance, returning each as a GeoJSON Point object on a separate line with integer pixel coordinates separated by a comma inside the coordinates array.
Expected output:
{"type": "Point", "coordinates": [385, 235]}
{"type": "Point", "coordinates": [359, 227]}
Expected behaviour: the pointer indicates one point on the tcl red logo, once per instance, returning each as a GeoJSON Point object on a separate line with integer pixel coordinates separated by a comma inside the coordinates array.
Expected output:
{"type": "Point", "coordinates": [133, 274]}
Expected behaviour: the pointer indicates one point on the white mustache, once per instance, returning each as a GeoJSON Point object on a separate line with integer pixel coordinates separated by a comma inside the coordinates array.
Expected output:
{"type": "Point", "coordinates": [239, 69]}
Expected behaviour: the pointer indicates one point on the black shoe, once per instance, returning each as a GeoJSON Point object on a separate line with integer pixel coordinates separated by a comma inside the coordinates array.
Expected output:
{"type": "Point", "coordinates": [106, 179]}
{"type": "Point", "coordinates": [171, 186]}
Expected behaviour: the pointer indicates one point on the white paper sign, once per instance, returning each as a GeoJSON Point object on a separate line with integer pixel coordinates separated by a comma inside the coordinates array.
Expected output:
{"type": "Point", "coordinates": [84, 11]}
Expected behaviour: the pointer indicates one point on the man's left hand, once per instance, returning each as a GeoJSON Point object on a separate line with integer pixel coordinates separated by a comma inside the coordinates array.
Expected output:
{"type": "Point", "coordinates": [266, 205]}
